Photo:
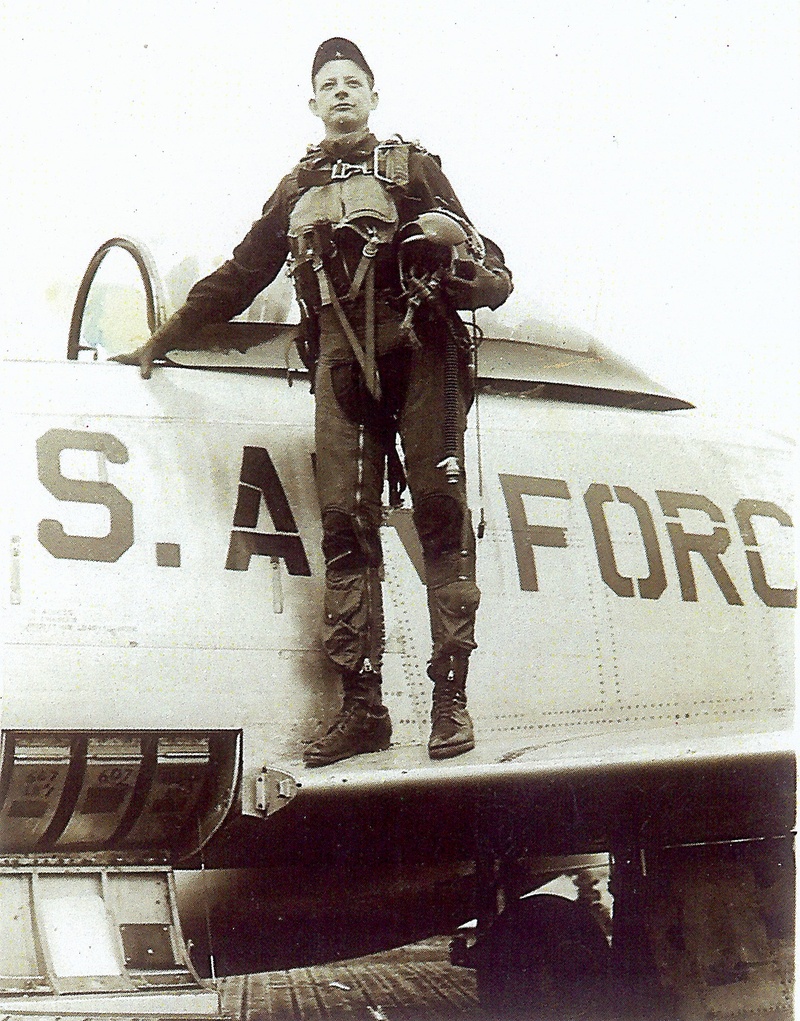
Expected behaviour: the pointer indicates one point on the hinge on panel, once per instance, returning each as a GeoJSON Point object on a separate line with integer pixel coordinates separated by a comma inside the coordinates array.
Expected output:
{"type": "Point", "coordinates": [274, 789]}
{"type": "Point", "coordinates": [16, 587]}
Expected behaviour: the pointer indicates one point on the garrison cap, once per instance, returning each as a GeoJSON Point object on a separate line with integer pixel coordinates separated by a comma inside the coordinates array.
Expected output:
{"type": "Point", "coordinates": [340, 49]}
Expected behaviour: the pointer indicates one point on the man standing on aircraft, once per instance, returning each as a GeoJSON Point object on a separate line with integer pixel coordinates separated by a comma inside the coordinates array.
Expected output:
{"type": "Point", "coordinates": [382, 255]}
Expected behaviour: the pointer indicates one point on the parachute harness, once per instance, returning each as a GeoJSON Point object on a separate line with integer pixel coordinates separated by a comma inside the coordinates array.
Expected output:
{"type": "Point", "coordinates": [354, 197]}
{"type": "Point", "coordinates": [438, 245]}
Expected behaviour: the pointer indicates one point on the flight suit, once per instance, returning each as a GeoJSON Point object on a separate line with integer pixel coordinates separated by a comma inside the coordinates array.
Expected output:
{"type": "Point", "coordinates": [355, 428]}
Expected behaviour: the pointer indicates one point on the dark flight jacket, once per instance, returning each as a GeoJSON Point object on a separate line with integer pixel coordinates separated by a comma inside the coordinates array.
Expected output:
{"type": "Point", "coordinates": [257, 260]}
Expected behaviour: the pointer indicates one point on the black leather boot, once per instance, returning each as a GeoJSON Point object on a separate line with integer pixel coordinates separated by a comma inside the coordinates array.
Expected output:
{"type": "Point", "coordinates": [361, 725]}
{"type": "Point", "coordinates": [451, 725]}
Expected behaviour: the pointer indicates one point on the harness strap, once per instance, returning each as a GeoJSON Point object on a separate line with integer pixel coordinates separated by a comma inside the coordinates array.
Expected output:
{"type": "Point", "coordinates": [367, 261]}
{"type": "Point", "coordinates": [325, 288]}
{"type": "Point", "coordinates": [364, 360]}
{"type": "Point", "coordinates": [369, 328]}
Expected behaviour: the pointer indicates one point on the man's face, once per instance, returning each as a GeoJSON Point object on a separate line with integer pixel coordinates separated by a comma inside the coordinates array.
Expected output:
{"type": "Point", "coordinates": [343, 97]}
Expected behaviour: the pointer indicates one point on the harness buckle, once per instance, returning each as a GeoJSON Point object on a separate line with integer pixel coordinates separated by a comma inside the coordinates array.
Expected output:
{"type": "Point", "coordinates": [372, 246]}
{"type": "Point", "coordinates": [340, 170]}
{"type": "Point", "coordinates": [390, 162]}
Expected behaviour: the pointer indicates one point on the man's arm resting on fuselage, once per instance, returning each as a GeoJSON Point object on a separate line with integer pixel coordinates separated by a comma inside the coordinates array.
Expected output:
{"type": "Point", "coordinates": [229, 289]}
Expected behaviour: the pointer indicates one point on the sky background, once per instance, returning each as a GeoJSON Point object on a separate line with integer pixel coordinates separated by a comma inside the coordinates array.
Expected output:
{"type": "Point", "coordinates": [637, 161]}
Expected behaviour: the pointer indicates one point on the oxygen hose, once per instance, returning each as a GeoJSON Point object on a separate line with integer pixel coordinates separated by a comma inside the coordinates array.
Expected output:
{"type": "Point", "coordinates": [475, 341]}
{"type": "Point", "coordinates": [452, 468]}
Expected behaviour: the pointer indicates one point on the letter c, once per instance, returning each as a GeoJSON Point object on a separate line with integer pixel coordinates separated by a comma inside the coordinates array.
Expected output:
{"type": "Point", "coordinates": [744, 512]}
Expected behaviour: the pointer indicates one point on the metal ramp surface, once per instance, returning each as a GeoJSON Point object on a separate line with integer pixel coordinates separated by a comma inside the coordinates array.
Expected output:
{"type": "Point", "coordinates": [408, 984]}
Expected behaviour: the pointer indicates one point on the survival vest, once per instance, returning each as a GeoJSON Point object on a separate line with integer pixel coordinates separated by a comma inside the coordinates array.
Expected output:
{"type": "Point", "coordinates": [352, 199]}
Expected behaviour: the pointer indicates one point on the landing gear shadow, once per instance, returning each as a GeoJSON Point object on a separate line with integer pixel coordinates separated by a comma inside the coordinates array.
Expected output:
{"type": "Point", "coordinates": [548, 959]}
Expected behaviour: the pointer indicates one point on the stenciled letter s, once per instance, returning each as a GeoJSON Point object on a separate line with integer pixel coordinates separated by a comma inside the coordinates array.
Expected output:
{"type": "Point", "coordinates": [119, 538]}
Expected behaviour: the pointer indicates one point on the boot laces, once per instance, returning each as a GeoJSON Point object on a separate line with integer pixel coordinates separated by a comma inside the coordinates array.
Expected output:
{"type": "Point", "coordinates": [351, 706]}
{"type": "Point", "coordinates": [447, 704]}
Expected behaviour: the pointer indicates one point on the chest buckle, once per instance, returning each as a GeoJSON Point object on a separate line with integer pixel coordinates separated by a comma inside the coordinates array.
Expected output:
{"type": "Point", "coordinates": [340, 170]}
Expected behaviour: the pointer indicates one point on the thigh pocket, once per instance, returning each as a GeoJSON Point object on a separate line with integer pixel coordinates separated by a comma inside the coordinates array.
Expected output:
{"type": "Point", "coordinates": [346, 618]}
{"type": "Point", "coordinates": [452, 609]}
{"type": "Point", "coordinates": [351, 393]}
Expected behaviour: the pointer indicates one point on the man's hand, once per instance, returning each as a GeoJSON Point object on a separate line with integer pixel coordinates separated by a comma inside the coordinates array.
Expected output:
{"type": "Point", "coordinates": [171, 335]}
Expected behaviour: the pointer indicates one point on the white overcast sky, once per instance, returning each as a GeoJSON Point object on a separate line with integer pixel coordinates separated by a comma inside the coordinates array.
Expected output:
{"type": "Point", "coordinates": [637, 161]}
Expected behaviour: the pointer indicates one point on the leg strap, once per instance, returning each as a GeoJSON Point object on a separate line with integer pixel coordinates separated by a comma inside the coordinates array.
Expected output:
{"type": "Point", "coordinates": [365, 358]}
